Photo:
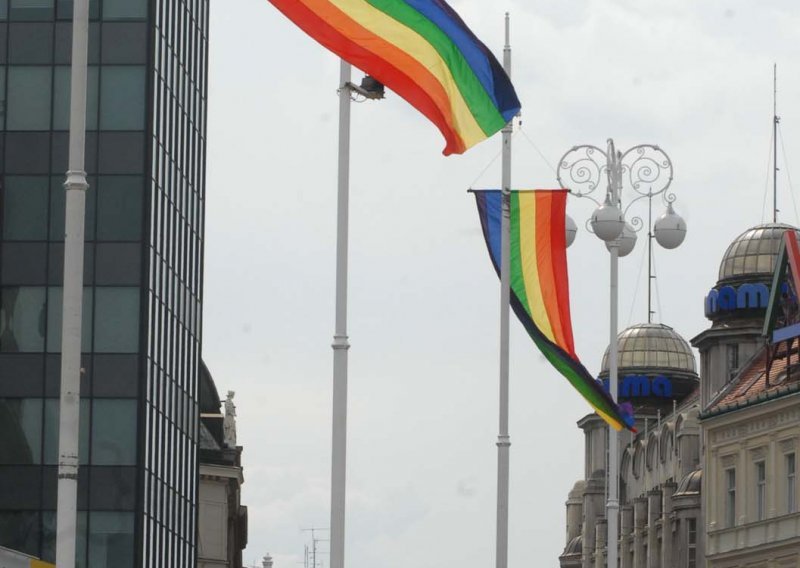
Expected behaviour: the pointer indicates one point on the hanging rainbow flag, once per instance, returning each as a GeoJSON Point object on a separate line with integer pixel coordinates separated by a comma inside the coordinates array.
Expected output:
{"type": "Point", "coordinates": [540, 285]}
{"type": "Point", "coordinates": [423, 51]}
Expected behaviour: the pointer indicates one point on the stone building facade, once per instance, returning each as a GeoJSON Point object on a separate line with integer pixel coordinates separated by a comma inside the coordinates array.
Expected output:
{"type": "Point", "coordinates": [751, 416]}
{"type": "Point", "coordinates": [660, 507]}
{"type": "Point", "coordinates": [222, 522]}
{"type": "Point", "coordinates": [710, 479]}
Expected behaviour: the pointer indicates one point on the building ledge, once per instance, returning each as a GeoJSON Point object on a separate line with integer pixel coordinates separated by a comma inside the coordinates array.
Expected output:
{"type": "Point", "coordinates": [222, 472]}
{"type": "Point", "coordinates": [760, 535]}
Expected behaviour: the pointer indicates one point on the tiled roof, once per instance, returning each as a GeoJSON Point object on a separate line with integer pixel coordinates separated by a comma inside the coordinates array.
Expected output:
{"type": "Point", "coordinates": [752, 387]}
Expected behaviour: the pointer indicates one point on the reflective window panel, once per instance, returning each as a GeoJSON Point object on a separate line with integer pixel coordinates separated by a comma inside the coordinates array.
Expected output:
{"type": "Point", "coordinates": [110, 540]}
{"type": "Point", "coordinates": [25, 208]}
{"type": "Point", "coordinates": [21, 427]}
{"type": "Point", "coordinates": [22, 319]}
{"type": "Point", "coordinates": [28, 104]}
{"type": "Point", "coordinates": [32, 9]}
{"type": "Point", "coordinates": [113, 432]}
{"type": "Point", "coordinates": [20, 530]}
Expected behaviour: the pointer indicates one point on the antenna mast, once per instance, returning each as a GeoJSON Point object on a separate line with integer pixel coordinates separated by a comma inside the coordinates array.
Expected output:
{"type": "Point", "coordinates": [775, 120]}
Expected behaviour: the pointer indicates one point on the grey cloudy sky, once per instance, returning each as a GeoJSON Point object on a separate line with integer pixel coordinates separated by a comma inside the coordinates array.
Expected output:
{"type": "Point", "coordinates": [693, 77]}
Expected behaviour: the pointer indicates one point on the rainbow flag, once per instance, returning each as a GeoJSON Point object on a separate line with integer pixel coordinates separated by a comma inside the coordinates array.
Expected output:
{"type": "Point", "coordinates": [423, 51]}
{"type": "Point", "coordinates": [540, 284]}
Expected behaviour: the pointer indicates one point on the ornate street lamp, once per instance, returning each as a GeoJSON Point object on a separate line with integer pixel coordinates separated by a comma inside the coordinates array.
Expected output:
{"type": "Point", "coordinates": [647, 171]}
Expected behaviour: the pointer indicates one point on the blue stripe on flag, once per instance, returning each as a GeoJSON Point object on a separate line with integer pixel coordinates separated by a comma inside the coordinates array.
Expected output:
{"type": "Point", "coordinates": [464, 41]}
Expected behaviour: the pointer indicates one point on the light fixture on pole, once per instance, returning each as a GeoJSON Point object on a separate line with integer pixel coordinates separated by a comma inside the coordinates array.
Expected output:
{"type": "Point", "coordinates": [647, 171]}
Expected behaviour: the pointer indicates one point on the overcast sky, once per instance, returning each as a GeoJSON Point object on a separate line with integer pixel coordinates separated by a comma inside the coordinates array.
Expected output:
{"type": "Point", "coordinates": [693, 77]}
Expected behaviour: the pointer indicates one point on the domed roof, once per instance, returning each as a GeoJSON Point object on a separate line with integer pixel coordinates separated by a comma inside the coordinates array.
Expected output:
{"type": "Point", "coordinates": [578, 489]}
{"type": "Point", "coordinates": [690, 484]}
{"type": "Point", "coordinates": [753, 252]}
{"type": "Point", "coordinates": [652, 346]}
{"type": "Point", "coordinates": [574, 546]}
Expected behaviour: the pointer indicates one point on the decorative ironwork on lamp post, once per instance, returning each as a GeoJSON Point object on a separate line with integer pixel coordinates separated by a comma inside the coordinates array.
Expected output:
{"type": "Point", "coordinates": [647, 171]}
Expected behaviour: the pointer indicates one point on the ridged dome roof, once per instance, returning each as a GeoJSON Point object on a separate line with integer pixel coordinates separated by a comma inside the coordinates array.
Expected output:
{"type": "Point", "coordinates": [652, 346]}
{"type": "Point", "coordinates": [691, 484]}
{"type": "Point", "coordinates": [753, 252]}
{"type": "Point", "coordinates": [575, 546]}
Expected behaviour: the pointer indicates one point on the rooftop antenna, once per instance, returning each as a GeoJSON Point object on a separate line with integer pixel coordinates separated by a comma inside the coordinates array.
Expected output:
{"type": "Point", "coordinates": [311, 554]}
{"type": "Point", "coordinates": [775, 120]}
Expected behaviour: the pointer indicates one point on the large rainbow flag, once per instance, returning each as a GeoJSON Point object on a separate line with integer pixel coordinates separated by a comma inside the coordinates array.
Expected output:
{"type": "Point", "coordinates": [540, 284]}
{"type": "Point", "coordinates": [423, 51]}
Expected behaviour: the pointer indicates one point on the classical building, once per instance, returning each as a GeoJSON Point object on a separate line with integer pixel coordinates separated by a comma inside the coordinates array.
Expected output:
{"type": "Point", "coordinates": [138, 485]}
{"type": "Point", "coordinates": [710, 479]}
{"type": "Point", "coordinates": [222, 521]}
{"type": "Point", "coordinates": [659, 476]}
{"type": "Point", "coordinates": [751, 416]}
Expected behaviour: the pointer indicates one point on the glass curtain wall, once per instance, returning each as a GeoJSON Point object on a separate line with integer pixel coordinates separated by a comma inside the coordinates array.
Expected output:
{"type": "Point", "coordinates": [174, 285]}
{"type": "Point", "coordinates": [142, 297]}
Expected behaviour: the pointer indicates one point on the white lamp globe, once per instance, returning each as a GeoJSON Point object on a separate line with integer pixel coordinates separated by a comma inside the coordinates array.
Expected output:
{"type": "Point", "coordinates": [607, 221]}
{"type": "Point", "coordinates": [670, 229]}
{"type": "Point", "coordinates": [572, 230]}
{"type": "Point", "coordinates": [626, 241]}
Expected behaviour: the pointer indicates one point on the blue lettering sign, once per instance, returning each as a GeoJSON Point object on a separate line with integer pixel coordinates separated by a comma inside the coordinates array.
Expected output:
{"type": "Point", "coordinates": [745, 297]}
{"type": "Point", "coordinates": [636, 386]}
{"type": "Point", "coordinates": [712, 303]}
{"type": "Point", "coordinates": [661, 387]}
{"type": "Point", "coordinates": [752, 296]}
{"type": "Point", "coordinates": [727, 298]}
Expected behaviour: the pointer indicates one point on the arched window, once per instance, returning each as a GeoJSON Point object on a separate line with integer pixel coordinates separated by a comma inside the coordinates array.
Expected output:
{"type": "Point", "coordinates": [652, 451]}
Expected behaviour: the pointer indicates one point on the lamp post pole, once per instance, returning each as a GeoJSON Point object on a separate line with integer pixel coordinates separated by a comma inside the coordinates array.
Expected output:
{"type": "Point", "coordinates": [373, 90]}
{"type": "Point", "coordinates": [72, 307]}
{"type": "Point", "coordinates": [503, 437]}
{"type": "Point", "coordinates": [340, 340]}
{"type": "Point", "coordinates": [647, 170]}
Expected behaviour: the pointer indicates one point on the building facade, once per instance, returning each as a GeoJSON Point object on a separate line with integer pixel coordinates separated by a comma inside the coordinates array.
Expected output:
{"type": "Point", "coordinates": [660, 509]}
{"type": "Point", "coordinates": [222, 520]}
{"type": "Point", "coordinates": [710, 479]}
{"type": "Point", "coordinates": [143, 276]}
{"type": "Point", "coordinates": [751, 416]}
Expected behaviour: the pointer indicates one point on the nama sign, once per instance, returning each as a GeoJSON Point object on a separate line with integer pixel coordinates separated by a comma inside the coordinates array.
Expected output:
{"type": "Point", "coordinates": [744, 297]}
{"type": "Point", "coordinates": [635, 386]}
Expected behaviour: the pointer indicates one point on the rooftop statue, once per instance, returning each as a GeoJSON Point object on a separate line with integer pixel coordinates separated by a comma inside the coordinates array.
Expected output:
{"type": "Point", "coordinates": [229, 421]}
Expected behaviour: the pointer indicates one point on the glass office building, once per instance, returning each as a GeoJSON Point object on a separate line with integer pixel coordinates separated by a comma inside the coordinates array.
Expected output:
{"type": "Point", "coordinates": [143, 276]}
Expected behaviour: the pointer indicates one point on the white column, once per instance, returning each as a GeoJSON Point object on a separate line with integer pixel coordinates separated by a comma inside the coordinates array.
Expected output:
{"type": "Point", "coordinates": [612, 507]}
{"type": "Point", "coordinates": [503, 438]}
{"type": "Point", "coordinates": [76, 186]}
{"type": "Point", "coordinates": [340, 341]}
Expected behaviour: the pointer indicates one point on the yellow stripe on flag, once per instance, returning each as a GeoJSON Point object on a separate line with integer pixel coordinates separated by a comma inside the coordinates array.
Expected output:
{"type": "Point", "coordinates": [409, 41]}
{"type": "Point", "coordinates": [529, 264]}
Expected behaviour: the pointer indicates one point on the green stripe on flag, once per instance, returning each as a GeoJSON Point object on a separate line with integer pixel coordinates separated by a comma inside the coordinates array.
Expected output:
{"type": "Point", "coordinates": [478, 100]}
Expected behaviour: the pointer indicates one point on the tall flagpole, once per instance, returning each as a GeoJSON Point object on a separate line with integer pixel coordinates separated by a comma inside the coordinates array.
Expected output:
{"type": "Point", "coordinates": [340, 341]}
{"type": "Point", "coordinates": [503, 438]}
{"type": "Point", "coordinates": [72, 309]}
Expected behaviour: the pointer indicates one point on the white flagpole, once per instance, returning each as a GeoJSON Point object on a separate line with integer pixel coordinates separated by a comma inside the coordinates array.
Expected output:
{"type": "Point", "coordinates": [76, 186]}
{"type": "Point", "coordinates": [503, 438]}
{"type": "Point", "coordinates": [340, 341]}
